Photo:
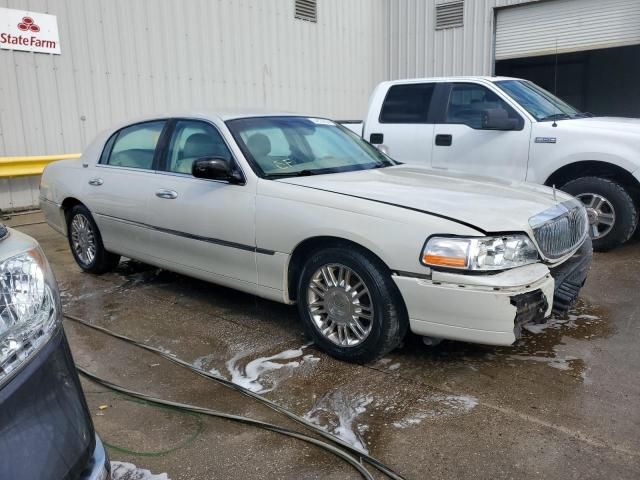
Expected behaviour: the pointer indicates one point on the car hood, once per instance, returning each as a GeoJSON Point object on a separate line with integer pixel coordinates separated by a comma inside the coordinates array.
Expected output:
{"type": "Point", "coordinates": [616, 125]}
{"type": "Point", "coordinates": [488, 204]}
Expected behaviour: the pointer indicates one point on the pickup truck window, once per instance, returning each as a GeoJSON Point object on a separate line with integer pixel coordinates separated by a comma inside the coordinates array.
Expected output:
{"type": "Point", "coordinates": [407, 103]}
{"type": "Point", "coordinates": [296, 146]}
{"type": "Point", "coordinates": [544, 106]}
{"type": "Point", "coordinates": [468, 101]}
{"type": "Point", "coordinates": [134, 146]}
{"type": "Point", "coordinates": [192, 140]}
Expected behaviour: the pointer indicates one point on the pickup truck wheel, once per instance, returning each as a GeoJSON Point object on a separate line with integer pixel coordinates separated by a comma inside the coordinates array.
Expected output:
{"type": "Point", "coordinates": [350, 306]}
{"type": "Point", "coordinates": [613, 215]}
{"type": "Point", "coordinates": [86, 243]}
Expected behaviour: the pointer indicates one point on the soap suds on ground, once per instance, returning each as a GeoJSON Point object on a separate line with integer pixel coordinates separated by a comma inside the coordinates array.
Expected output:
{"type": "Point", "coordinates": [128, 471]}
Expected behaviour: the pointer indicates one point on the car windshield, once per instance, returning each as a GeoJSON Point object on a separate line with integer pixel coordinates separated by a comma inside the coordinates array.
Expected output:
{"type": "Point", "coordinates": [544, 106]}
{"type": "Point", "coordinates": [296, 146]}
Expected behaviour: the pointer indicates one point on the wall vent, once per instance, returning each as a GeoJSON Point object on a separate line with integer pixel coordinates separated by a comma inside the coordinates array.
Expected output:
{"type": "Point", "coordinates": [307, 10]}
{"type": "Point", "coordinates": [449, 14]}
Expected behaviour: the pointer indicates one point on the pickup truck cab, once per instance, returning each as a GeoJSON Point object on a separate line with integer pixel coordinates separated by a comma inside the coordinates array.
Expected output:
{"type": "Point", "coordinates": [512, 128]}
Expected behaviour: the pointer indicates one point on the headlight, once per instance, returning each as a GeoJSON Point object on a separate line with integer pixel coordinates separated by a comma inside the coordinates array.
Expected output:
{"type": "Point", "coordinates": [481, 253]}
{"type": "Point", "coordinates": [29, 308]}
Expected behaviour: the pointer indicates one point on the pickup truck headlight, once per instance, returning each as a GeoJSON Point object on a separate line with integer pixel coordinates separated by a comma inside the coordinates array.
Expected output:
{"type": "Point", "coordinates": [479, 253]}
{"type": "Point", "coordinates": [29, 308]}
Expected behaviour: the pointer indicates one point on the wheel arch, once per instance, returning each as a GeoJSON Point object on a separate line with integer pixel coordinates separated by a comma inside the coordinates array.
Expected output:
{"type": "Point", "coordinates": [596, 168]}
{"type": "Point", "coordinates": [307, 247]}
{"type": "Point", "coordinates": [68, 203]}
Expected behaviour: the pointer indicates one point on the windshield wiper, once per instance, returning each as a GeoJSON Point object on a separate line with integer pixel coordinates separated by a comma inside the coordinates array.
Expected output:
{"type": "Point", "coordinates": [583, 115]}
{"type": "Point", "coordinates": [555, 116]}
{"type": "Point", "coordinates": [301, 173]}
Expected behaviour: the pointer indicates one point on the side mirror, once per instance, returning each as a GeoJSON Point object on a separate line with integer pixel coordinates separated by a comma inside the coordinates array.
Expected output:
{"type": "Point", "coordinates": [215, 168]}
{"type": "Point", "coordinates": [498, 119]}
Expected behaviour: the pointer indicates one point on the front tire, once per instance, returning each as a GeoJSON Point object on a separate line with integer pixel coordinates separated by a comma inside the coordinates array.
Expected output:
{"type": "Point", "coordinates": [613, 215]}
{"type": "Point", "coordinates": [350, 306]}
{"type": "Point", "coordinates": [86, 244]}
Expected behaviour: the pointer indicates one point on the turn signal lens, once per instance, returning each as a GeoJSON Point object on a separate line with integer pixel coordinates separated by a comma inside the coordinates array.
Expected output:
{"type": "Point", "coordinates": [445, 261]}
{"type": "Point", "coordinates": [447, 252]}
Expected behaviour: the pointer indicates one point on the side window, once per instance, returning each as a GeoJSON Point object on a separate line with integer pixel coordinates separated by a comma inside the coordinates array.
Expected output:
{"type": "Point", "coordinates": [407, 103]}
{"type": "Point", "coordinates": [468, 101]}
{"type": "Point", "coordinates": [135, 146]}
{"type": "Point", "coordinates": [192, 140]}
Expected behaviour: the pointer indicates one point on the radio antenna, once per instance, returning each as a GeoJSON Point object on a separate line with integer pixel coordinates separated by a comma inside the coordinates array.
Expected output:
{"type": "Point", "coordinates": [555, 72]}
{"type": "Point", "coordinates": [555, 79]}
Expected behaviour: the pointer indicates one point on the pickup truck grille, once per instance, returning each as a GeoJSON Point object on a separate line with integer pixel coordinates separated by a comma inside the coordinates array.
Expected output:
{"type": "Point", "coordinates": [561, 229]}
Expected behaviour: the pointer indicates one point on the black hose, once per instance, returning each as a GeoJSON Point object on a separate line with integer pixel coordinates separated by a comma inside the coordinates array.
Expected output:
{"type": "Point", "coordinates": [223, 381]}
{"type": "Point", "coordinates": [237, 418]}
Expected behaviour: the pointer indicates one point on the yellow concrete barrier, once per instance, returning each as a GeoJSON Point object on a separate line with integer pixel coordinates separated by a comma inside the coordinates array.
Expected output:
{"type": "Point", "coordinates": [26, 166]}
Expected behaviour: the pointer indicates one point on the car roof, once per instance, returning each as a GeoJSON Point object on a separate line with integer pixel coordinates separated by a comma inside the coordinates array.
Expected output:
{"type": "Point", "coordinates": [222, 115]}
{"type": "Point", "coordinates": [211, 115]}
{"type": "Point", "coordinates": [481, 78]}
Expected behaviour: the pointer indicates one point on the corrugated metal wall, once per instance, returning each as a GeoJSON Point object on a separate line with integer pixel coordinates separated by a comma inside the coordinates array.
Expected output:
{"type": "Point", "coordinates": [419, 50]}
{"type": "Point", "coordinates": [122, 58]}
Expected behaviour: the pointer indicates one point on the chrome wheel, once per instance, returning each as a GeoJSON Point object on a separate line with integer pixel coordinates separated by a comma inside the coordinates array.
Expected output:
{"type": "Point", "coordinates": [600, 212]}
{"type": "Point", "coordinates": [83, 239]}
{"type": "Point", "coordinates": [340, 305]}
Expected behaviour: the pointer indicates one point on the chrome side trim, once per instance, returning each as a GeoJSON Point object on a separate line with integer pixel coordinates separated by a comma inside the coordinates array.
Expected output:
{"type": "Point", "coordinates": [217, 241]}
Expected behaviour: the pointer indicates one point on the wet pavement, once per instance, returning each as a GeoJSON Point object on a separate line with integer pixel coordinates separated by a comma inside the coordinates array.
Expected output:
{"type": "Point", "coordinates": [564, 402]}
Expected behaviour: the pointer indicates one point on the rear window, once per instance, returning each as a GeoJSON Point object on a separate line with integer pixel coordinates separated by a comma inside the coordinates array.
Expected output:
{"type": "Point", "coordinates": [407, 103]}
{"type": "Point", "coordinates": [135, 146]}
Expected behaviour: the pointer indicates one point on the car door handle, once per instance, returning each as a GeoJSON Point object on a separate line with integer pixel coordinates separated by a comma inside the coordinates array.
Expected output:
{"type": "Point", "coordinates": [168, 194]}
{"type": "Point", "coordinates": [96, 182]}
{"type": "Point", "coordinates": [444, 140]}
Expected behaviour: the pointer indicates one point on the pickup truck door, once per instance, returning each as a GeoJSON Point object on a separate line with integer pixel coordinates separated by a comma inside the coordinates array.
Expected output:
{"type": "Point", "coordinates": [404, 125]}
{"type": "Point", "coordinates": [205, 228]}
{"type": "Point", "coordinates": [119, 184]}
{"type": "Point", "coordinates": [461, 143]}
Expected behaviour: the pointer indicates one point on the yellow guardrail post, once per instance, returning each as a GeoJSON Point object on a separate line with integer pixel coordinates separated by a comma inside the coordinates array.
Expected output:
{"type": "Point", "coordinates": [26, 166]}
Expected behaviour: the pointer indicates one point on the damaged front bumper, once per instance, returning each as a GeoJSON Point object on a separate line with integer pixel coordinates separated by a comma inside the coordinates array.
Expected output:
{"type": "Point", "coordinates": [491, 309]}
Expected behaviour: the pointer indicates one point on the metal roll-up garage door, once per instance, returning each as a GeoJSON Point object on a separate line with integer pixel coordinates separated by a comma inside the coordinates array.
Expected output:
{"type": "Point", "coordinates": [573, 25]}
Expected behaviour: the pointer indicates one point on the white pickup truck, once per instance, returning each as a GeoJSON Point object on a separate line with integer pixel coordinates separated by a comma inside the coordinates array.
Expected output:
{"type": "Point", "coordinates": [512, 128]}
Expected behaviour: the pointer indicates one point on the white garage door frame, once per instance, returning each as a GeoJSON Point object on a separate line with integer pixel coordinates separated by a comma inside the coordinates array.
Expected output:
{"type": "Point", "coordinates": [538, 28]}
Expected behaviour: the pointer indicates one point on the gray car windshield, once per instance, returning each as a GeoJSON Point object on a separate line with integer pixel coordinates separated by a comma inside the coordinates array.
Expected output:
{"type": "Point", "coordinates": [296, 146]}
{"type": "Point", "coordinates": [544, 106]}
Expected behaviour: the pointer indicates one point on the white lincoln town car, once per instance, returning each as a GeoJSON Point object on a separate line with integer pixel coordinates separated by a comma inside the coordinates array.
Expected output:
{"type": "Point", "coordinates": [299, 210]}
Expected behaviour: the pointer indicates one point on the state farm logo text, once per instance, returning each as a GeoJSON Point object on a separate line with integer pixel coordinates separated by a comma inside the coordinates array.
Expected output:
{"type": "Point", "coordinates": [27, 25]}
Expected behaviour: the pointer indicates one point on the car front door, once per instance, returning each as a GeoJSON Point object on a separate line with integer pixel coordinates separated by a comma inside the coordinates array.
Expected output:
{"type": "Point", "coordinates": [461, 142]}
{"type": "Point", "coordinates": [404, 125]}
{"type": "Point", "coordinates": [205, 228]}
{"type": "Point", "coordinates": [119, 186]}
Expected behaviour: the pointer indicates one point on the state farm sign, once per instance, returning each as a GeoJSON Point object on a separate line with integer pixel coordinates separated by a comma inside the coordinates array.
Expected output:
{"type": "Point", "coordinates": [29, 31]}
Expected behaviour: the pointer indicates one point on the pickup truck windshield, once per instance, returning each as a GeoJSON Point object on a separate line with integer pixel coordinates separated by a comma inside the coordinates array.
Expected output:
{"type": "Point", "coordinates": [296, 146]}
{"type": "Point", "coordinates": [544, 106]}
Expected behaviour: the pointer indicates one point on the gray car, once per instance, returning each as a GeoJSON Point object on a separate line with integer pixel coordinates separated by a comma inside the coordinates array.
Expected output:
{"type": "Point", "coordinates": [46, 430]}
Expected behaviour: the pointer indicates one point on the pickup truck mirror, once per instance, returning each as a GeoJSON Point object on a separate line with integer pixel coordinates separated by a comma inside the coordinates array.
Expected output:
{"type": "Point", "coordinates": [498, 119]}
{"type": "Point", "coordinates": [215, 168]}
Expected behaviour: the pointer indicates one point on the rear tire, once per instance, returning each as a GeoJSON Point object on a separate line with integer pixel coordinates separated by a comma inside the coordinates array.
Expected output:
{"type": "Point", "coordinates": [359, 299]}
{"type": "Point", "coordinates": [86, 244]}
{"type": "Point", "coordinates": [614, 204]}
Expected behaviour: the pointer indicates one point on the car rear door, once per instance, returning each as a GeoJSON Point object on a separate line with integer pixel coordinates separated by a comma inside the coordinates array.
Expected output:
{"type": "Point", "coordinates": [119, 186]}
{"type": "Point", "coordinates": [461, 143]}
{"type": "Point", "coordinates": [205, 228]}
{"type": "Point", "coordinates": [404, 125]}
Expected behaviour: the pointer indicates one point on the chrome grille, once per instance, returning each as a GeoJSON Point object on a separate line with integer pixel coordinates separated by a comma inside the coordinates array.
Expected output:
{"type": "Point", "coordinates": [560, 229]}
